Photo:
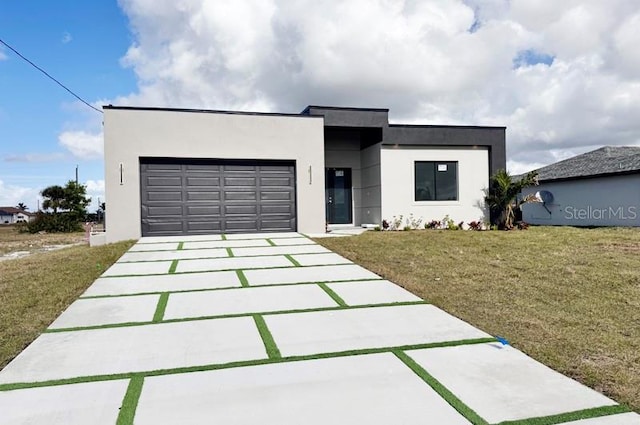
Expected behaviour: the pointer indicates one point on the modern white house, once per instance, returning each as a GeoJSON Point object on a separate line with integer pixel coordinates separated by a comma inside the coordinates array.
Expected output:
{"type": "Point", "coordinates": [183, 171]}
{"type": "Point", "coordinates": [597, 188]}
{"type": "Point", "coordinates": [12, 215]}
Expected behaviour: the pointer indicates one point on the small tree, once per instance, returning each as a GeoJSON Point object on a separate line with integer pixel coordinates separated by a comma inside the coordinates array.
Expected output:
{"type": "Point", "coordinates": [502, 194]}
{"type": "Point", "coordinates": [68, 205]}
{"type": "Point", "coordinates": [53, 198]}
{"type": "Point", "coordinates": [22, 207]}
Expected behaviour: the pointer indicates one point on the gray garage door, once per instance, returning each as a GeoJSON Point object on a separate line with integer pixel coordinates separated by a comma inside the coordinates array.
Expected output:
{"type": "Point", "coordinates": [191, 197]}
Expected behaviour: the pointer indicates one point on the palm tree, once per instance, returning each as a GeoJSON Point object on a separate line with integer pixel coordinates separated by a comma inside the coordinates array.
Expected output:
{"type": "Point", "coordinates": [22, 207]}
{"type": "Point", "coordinates": [54, 197]}
{"type": "Point", "coordinates": [502, 196]}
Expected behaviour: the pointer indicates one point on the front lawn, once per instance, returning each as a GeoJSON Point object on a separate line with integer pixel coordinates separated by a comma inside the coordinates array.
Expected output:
{"type": "Point", "coordinates": [34, 290]}
{"type": "Point", "coordinates": [568, 297]}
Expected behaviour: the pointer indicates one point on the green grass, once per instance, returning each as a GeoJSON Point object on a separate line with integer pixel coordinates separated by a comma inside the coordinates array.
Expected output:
{"type": "Point", "coordinates": [568, 297]}
{"type": "Point", "coordinates": [34, 290]}
{"type": "Point", "coordinates": [130, 402]}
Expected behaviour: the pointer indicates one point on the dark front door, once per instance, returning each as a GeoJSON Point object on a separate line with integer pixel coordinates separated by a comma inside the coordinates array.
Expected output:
{"type": "Point", "coordinates": [338, 195]}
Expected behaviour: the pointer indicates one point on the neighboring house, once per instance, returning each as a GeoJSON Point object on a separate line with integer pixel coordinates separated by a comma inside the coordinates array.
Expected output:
{"type": "Point", "coordinates": [177, 171]}
{"type": "Point", "coordinates": [12, 215]}
{"type": "Point", "coordinates": [598, 188]}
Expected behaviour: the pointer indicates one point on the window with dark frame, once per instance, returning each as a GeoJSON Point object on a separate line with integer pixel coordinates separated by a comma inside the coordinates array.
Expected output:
{"type": "Point", "coordinates": [436, 181]}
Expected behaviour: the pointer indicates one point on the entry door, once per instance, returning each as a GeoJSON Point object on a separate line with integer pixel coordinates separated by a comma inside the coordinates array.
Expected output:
{"type": "Point", "coordinates": [338, 195]}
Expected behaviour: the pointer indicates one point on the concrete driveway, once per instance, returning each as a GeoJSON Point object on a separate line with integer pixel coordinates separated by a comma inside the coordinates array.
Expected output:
{"type": "Point", "coordinates": [274, 329]}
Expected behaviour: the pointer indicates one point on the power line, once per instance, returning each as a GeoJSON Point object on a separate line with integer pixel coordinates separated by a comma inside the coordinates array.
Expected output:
{"type": "Point", "coordinates": [50, 77]}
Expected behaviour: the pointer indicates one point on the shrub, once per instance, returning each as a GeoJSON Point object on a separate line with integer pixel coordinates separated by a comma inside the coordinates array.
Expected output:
{"type": "Point", "coordinates": [385, 224]}
{"type": "Point", "coordinates": [475, 225]}
{"type": "Point", "coordinates": [377, 228]}
{"type": "Point", "coordinates": [65, 222]}
{"type": "Point", "coordinates": [522, 225]}
{"type": "Point", "coordinates": [433, 224]}
{"type": "Point", "coordinates": [405, 228]}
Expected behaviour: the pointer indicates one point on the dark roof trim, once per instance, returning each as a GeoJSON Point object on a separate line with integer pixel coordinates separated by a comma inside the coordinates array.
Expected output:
{"type": "Point", "coordinates": [590, 176]}
{"type": "Point", "coordinates": [207, 111]}
{"type": "Point", "coordinates": [474, 127]}
{"type": "Point", "coordinates": [340, 108]}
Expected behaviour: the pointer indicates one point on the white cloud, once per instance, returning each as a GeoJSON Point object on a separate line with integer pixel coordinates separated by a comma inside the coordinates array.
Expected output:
{"type": "Point", "coordinates": [66, 38]}
{"type": "Point", "coordinates": [431, 61]}
{"type": "Point", "coordinates": [82, 144]}
{"type": "Point", "coordinates": [35, 157]}
{"type": "Point", "coordinates": [11, 195]}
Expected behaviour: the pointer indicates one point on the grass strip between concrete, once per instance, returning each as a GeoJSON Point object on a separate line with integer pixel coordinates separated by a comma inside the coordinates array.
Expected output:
{"type": "Point", "coordinates": [162, 306]}
{"type": "Point", "coordinates": [223, 247]}
{"type": "Point", "coordinates": [333, 294]}
{"type": "Point", "coordinates": [223, 237]}
{"type": "Point", "coordinates": [179, 291]}
{"type": "Point", "coordinates": [173, 267]}
{"type": "Point", "coordinates": [224, 270]}
{"type": "Point", "coordinates": [270, 242]}
{"type": "Point", "coordinates": [229, 316]}
{"type": "Point", "coordinates": [562, 418]}
{"type": "Point", "coordinates": [269, 343]}
{"type": "Point", "coordinates": [230, 253]}
{"type": "Point", "coordinates": [209, 257]}
{"type": "Point", "coordinates": [293, 260]}
{"type": "Point", "coordinates": [130, 402]}
{"type": "Point", "coordinates": [449, 397]}
{"type": "Point", "coordinates": [180, 246]}
{"type": "Point", "coordinates": [242, 278]}
{"type": "Point", "coordinates": [245, 363]}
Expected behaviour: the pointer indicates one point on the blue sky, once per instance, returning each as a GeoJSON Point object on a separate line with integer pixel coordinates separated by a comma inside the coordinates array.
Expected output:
{"type": "Point", "coordinates": [563, 77]}
{"type": "Point", "coordinates": [78, 42]}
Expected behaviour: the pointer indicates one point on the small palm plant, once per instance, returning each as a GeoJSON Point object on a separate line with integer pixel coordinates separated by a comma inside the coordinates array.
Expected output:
{"type": "Point", "coordinates": [502, 196]}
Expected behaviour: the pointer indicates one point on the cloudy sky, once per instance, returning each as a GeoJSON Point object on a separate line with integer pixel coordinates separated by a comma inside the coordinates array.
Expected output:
{"type": "Point", "coordinates": [563, 76]}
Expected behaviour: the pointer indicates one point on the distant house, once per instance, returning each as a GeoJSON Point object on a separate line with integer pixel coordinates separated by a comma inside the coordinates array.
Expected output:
{"type": "Point", "coordinates": [598, 188]}
{"type": "Point", "coordinates": [11, 215]}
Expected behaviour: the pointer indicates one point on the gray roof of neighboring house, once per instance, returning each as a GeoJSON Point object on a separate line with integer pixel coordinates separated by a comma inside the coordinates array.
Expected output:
{"type": "Point", "coordinates": [603, 161]}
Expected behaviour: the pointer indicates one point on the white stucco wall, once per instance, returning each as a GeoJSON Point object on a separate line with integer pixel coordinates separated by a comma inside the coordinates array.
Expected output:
{"type": "Point", "coordinates": [398, 191]}
{"type": "Point", "coordinates": [130, 134]}
{"type": "Point", "coordinates": [601, 201]}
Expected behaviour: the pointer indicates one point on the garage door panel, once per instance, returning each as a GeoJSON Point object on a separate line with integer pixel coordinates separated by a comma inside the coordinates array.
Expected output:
{"type": "Point", "coordinates": [202, 168]}
{"type": "Point", "coordinates": [249, 209]}
{"type": "Point", "coordinates": [274, 225]}
{"type": "Point", "coordinates": [208, 210]}
{"type": "Point", "coordinates": [164, 196]}
{"type": "Point", "coordinates": [286, 209]}
{"type": "Point", "coordinates": [215, 196]}
{"type": "Point", "coordinates": [276, 196]}
{"type": "Point", "coordinates": [159, 228]}
{"type": "Point", "coordinates": [209, 226]}
{"type": "Point", "coordinates": [238, 167]}
{"type": "Point", "coordinates": [175, 181]}
{"type": "Point", "coordinates": [241, 225]}
{"type": "Point", "coordinates": [162, 167]}
{"type": "Point", "coordinates": [242, 181]}
{"type": "Point", "coordinates": [282, 181]}
{"type": "Point", "coordinates": [164, 210]}
{"type": "Point", "coordinates": [240, 196]}
{"type": "Point", "coordinates": [203, 181]}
